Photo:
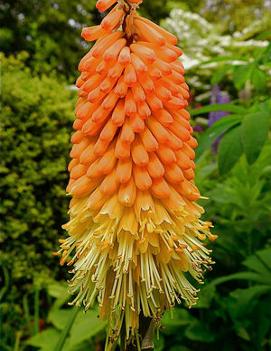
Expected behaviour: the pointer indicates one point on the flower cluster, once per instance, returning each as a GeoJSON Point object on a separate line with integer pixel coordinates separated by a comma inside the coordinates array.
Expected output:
{"type": "Point", "coordinates": [135, 234]}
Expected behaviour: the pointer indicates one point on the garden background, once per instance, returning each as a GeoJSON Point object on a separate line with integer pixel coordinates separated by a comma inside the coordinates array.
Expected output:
{"type": "Point", "coordinates": [228, 63]}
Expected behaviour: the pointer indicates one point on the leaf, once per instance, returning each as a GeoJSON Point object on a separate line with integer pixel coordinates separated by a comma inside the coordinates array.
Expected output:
{"type": "Point", "coordinates": [179, 348]}
{"type": "Point", "coordinates": [260, 262]}
{"type": "Point", "coordinates": [60, 292]}
{"type": "Point", "coordinates": [65, 332]}
{"type": "Point", "coordinates": [46, 340]}
{"type": "Point", "coordinates": [258, 78]}
{"type": "Point", "coordinates": [260, 265]}
{"type": "Point", "coordinates": [230, 150]}
{"type": "Point", "coordinates": [59, 317]}
{"type": "Point", "coordinates": [243, 300]}
{"type": "Point", "coordinates": [159, 344]}
{"type": "Point", "coordinates": [225, 58]}
{"type": "Point", "coordinates": [6, 283]}
{"type": "Point", "coordinates": [265, 35]}
{"type": "Point", "coordinates": [57, 290]}
{"type": "Point", "coordinates": [217, 107]}
{"type": "Point", "coordinates": [85, 327]}
{"type": "Point", "coordinates": [206, 296]}
{"type": "Point", "coordinates": [254, 134]}
{"type": "Point", "coordinates": [219, 74]}
{"type": "Point", "coordinates": [242, 332]}
{"type": "Point", "coordinates": [241, 74]}
{"type": "Point", "coordinates": [250, 276]}
{"type": "Point", "coordinates": [218, 128]}
{"type": "Point", "coordinates": [198, 331]}
{"type": "Point", "coordinates": [83, 346]}
{"type": "Point", "coordinates": [262, 317]}
{"type": "Point", "coordinates": [173, 321]}
{"type": "Point", "coordinates": [242, 305]}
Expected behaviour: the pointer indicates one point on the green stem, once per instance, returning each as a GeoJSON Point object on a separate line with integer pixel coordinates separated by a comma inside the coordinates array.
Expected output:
{"type": "Point", "coordinates": [6, 283]}
{"type": "Point", "coordinates": [17, 342]}
{"type": "Point", "coordinates": [26, 311]}
{"type": "Point", "coordinates": [36, 310]}
{"type": "Point", "coordinates": [61, 342]}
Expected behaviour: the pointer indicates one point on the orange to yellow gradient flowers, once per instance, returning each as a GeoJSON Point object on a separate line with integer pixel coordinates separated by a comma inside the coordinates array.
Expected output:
{"type": "Point", "coordinates": [135, 234]}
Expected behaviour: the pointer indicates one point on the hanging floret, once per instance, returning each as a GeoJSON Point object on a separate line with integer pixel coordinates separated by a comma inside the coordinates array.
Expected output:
{"type": "Point", "coordinates": [136, 236]}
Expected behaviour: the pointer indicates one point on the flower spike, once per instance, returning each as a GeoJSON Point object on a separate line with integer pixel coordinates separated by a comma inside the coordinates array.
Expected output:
{"type": "Point", "coordinates": [135, 233]}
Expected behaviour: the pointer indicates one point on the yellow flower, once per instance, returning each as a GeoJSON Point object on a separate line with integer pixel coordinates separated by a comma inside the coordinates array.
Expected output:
{"type": "Point", "coordinates": [135, 234]}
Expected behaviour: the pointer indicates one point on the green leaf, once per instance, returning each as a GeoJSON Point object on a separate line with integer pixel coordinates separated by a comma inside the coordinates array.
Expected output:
{"type": "Point", "coordinates": [60, 292]}
{"type": "Point", "coordinates": [206, 296]}
{"type": "Point", "coordinates": [218, 128]}
{"type": "Point", "coordinates": [174, 320]}
{"type": "Point", "coordinates": [241, 74]}
{"type": "Point", "coordinates": [227, 58]}
{"type": "Point", "coordinates": [198, 331]}
{"type": "Point", "coordinates": [85, 327]}
{"type": "Point", "coordinates": [265, 35]}
{"type": "Point", "coordinates": [59, 317]}
{"type": "Point", "coordinates": [179, 348]}
{"type": "Point", "coordinates": [258, 78]}
{"type": "Point", "coordinates": [230, 150]}
{"type": "Point", "coordinates": [159, 344]}
{"type": "Point", "coordinates": [262, 321]}
{"type": "Point", "coordinates": [242, 332]}
{"type": "Point", "coordinates": [6, 279]}
{"type": "Point", "coordinates": [217, 107]}
{"type": "Point", "coordinates": [260, 266]}
{"type": "Point", "coordinates": [254, 134]}
{"type": "Point", "coordinates": [260, 262]}
{"type": "Point", "coordinates": [83, 346]}
{"type": "Point", "coordinates": [45, 340]}
{"type": "Point", "coordinates": [57, 289]}
{"type": "Point", "coordinates": [219, 74]}
{"type": "Point", "coordinates": [65, 332]}
{"type": "Point", "coordinates": [250, 276]}
{"type": "Point", "coordinates": [245, 297]}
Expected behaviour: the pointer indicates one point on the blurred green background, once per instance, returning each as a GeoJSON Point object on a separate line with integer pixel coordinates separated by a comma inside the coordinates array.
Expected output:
{"type": "Point", "coordinates": [228, 64]}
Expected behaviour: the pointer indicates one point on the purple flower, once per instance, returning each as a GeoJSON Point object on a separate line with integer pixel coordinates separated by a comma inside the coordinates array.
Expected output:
{"type": "Point", "coordinates": [198, 128]}
{"type": "Point", "coordinates": [217, 97]}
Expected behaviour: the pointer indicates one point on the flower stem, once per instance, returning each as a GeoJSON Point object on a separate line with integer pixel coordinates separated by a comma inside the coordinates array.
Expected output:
{"type": "Point", "coordinates": [65, 332]}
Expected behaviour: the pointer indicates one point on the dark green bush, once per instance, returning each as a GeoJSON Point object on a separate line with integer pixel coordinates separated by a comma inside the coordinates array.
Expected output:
{"type": "Point", "coordinates": [48, 30]}
{"type": "Point", "coordinates": [36, 118]}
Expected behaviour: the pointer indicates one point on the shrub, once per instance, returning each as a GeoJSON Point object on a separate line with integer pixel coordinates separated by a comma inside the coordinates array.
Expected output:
{"type": "Point", "coordinates": [35, 119]}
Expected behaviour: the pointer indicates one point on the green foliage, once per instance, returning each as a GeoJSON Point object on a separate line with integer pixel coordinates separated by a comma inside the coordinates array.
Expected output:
{"type": "Point", "coordinates": [255, 128]}
{"type": "Point", "coordinates": [70, 330]}
{"type": "Point", "coordinates": [67, 329]}
{"type": "Point", "coordinates": [234, 304]}
{"type": "Point", "coordinates": [237, 310]}
{"type": "Point", "coordinates": [231, 50]}
{"type": "Point", "coordinates": [230, 145]}
{"type": "Point", "coordinates": [246, 132]}
{"type": "Point", "coordinates": [36, 118]}
{"type": "Point", "coordinates": [48, 30]}
{"type": "Point", "coordinates": [217, 129]}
